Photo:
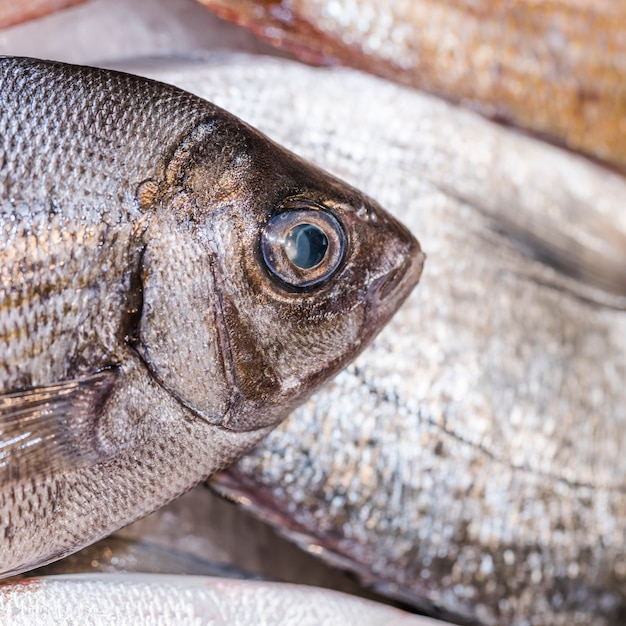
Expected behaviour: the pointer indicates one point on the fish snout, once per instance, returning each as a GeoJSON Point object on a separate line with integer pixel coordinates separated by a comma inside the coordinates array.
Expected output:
{"type": "Point", "coordinates": [395, 282]}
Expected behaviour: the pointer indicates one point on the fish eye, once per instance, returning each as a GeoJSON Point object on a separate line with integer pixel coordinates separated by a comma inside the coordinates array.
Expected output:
{"type": "Point", "coordinates": [303, 247]}
{"type": "Point", "coordinates": [306, 245]}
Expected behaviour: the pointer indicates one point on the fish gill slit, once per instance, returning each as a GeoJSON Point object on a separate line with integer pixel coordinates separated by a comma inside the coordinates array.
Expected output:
{"type": "Point", "coordinates": [226, 349]}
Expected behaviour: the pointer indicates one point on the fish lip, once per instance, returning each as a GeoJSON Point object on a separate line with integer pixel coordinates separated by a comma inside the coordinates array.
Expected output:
{"type": "Point", "coordinates": [397, 283]}
{"type": "Point", "coordinates": [393, 288]}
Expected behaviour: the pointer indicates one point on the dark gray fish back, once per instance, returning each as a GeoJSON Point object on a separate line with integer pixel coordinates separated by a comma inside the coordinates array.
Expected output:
{"type": "Point", "coordinates": [92, 135]}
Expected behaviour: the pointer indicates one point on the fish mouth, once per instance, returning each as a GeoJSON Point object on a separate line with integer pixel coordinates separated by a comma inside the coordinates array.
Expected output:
{"type": "Point", "coordinates": [395, 285]}
{"type": "Point", "coordinates": [389, 290]}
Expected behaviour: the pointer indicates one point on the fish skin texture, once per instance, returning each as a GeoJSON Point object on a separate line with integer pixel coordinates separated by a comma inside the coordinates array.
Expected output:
{"type": "Point", "coordinates": [552, 68]}
{"type": "Point", "coordinates": [17, 11]}
{"type": "Point", "coordinates": [470, 461]}
{"type": "Point", "coordinates": [144, 599]}
{"type": "Point", "coordinates": [144, 343]}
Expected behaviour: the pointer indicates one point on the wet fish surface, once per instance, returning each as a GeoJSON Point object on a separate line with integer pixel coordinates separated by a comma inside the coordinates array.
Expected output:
{"type": "Point", "coordinates": [172, 285]}
{"type": "Point", "coordinates": [16, 11]}
{"type": "Point", "coordinates": [202, 534]}
{"type": "Point", "coordinates": [554, 68]}
{"type": "Point", "coordinates": [172, 600]}
{"type": "Point", "coordinates": [470, 462]}
{"type": "Point", "coordinates": [175, 546]}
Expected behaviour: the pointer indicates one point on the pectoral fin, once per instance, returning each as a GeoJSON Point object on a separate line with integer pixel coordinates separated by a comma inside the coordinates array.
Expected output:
{"type": "Point", "coordinates": [52, 428]}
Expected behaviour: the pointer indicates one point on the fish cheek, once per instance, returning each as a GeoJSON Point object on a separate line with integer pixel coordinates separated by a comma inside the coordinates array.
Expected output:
{"type": "Point", "coordinates": [177, 337]}
{"type": "Point", "coordinates": [256, 385]}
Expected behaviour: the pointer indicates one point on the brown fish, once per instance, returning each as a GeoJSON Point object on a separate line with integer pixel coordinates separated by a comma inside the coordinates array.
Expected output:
{"type": "Point", "coordinates": [172, 284]}
{"type": "Point", "coordinates": [554, 68]}
{"type": "Point", "coordinates": [16, 11]}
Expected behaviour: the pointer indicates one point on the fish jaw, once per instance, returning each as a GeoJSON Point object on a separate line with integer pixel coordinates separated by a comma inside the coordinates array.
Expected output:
{"type": "Point", "coordinates": [393, 285]}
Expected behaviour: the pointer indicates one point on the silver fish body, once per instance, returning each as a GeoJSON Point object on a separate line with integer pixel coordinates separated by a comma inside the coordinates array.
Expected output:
{"type": "Point", "coordinates": [172, 284]}
{"type": "Point", "coordinates": [143, 599]}
{"type": "Point", "coordinates": [471, 461]}
{"type": "Point", "coordinates": [176, 547]}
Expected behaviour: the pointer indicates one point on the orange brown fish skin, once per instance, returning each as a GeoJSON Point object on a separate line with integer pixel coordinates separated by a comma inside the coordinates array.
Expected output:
{"type": "Point", "coordinates": [16, 11]}
{"type": "Point", "coordinates": [145, 341]}
{"type": "Point", "coordinates": [553, 68]}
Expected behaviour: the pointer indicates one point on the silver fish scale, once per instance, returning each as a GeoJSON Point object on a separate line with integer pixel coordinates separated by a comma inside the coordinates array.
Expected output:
{"type": "Point", "coordinates": [40, 325]}
{"type": "Point", "coordinates": [144, 599]}
{"type": "Point", "coordinates": [471, 458]}
{"type": "Point", "coordinates": [88, 167]}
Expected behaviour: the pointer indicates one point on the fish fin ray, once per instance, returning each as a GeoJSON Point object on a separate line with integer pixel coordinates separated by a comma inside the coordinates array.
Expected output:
{"type": "Point", "coordinates": [54, 427]}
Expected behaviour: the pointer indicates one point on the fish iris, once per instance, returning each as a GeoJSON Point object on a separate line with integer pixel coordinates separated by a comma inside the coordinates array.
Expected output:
{"type": "Point", "coordinates": [306, 245]}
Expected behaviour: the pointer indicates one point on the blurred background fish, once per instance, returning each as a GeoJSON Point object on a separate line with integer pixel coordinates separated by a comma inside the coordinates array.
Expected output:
{"type": "Point", "coordinates": [146, 600]}
{"type": "Point", "coordinates": [16, 11]}
{"type": "Point", "coordinates": [554, 68]}
{"type": "Point", "coordinates": [457, 464]}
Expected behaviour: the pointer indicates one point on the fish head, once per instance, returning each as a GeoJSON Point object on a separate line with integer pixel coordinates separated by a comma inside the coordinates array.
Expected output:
{"type": "Point", "coordinates": [306, 270]}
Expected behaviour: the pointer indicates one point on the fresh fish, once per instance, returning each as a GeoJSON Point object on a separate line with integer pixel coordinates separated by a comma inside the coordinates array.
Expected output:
{"type": "Point", "coordinates": [554, 68]}
{"type": "Point", "coordinates": [144, 599]}
{"type": "Point", "coordinates": [203, 534]}
{"type": "Point", "coordinates": [173, 284]}
{"type": "Point", "coordinates": [16, 11]}
{"type": "Point", "coordinates": [107, 30]}
{"type": "Point", "coordinates": [471, 461]}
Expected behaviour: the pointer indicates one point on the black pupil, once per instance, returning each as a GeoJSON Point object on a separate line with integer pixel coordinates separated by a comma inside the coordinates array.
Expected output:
{"type": "Point", "coordinates": [306, 245]}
